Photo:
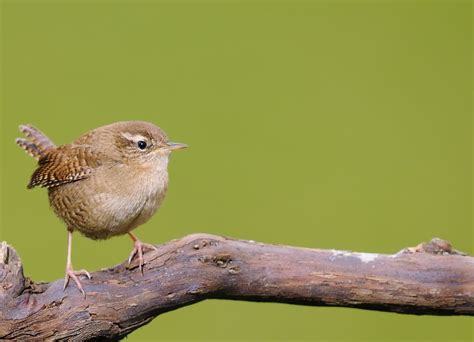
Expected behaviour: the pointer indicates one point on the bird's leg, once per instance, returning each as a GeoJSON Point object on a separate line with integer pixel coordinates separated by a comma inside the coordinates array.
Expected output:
{"type": "Point", "coordinates": [138, 249]}
{"type": "Point", "coordinates": [70, 273]}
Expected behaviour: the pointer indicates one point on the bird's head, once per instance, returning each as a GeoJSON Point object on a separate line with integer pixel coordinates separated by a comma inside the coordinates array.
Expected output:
{"type": "Point", "coordinates": [139, 142]}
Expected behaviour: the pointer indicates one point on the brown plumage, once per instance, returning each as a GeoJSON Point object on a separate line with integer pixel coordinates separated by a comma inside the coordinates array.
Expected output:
{"type": "Point", "coordinates": [36, 144]}
{"type": "Point", "coordinates": [107, 182]}
{"type": "Point", "coordinates": [64, 164]}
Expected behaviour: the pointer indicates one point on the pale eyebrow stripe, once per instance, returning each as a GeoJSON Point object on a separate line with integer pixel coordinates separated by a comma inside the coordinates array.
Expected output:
{"type": "Point", "coordinates": [134, 137]}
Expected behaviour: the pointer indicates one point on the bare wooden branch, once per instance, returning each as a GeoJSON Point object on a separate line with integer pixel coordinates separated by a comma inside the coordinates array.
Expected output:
{"type": "Point", "coordinates": [431, 278]}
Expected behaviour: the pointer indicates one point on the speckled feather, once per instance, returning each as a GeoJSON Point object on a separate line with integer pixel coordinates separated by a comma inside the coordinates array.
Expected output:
{"type": "Point", "coordinates": [38, 138]}
{"type": "Point", "coordinates": [65, 164]}
{"type": "Point", "coordinates": [36, 144]}
{"type": "Point", "coordinates": [30, 148]}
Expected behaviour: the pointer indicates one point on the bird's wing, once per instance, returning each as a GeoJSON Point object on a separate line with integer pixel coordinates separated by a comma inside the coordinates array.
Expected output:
{"type": "Point", "coordinates": [65, 164]}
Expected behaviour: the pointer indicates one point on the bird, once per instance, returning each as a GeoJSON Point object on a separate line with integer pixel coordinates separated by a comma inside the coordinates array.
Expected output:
{"type": "Point", "coordinates": [107, 182]}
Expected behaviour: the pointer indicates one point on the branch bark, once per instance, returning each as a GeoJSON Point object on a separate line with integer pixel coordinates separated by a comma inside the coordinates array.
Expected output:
{"type": "Point", "coordinates": [431, 278]}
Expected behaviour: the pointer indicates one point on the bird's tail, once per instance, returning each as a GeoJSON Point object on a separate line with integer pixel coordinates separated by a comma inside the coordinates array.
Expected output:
{"type": "Point", "coordinates": [36, 143]}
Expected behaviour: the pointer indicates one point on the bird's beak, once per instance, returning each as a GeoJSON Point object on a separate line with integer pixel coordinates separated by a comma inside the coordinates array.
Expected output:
{"type": "Point", "coordinates": [175, 146]}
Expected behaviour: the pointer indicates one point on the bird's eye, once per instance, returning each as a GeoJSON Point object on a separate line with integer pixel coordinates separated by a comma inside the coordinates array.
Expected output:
{"type": "Point", "coordinates": [141, 144]}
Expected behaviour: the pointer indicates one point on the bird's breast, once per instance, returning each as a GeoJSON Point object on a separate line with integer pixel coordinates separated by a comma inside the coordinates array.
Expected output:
{"type": "Point", "coordinates": [112, 201]}
{"type": "Point", "coordinates": [141, 194]}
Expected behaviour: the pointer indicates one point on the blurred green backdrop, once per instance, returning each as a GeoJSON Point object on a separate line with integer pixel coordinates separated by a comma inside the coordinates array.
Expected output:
{"type": "Point", "coordinates": [341, 125]}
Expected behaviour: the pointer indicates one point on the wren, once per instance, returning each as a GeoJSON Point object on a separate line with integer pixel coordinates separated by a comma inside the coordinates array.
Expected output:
{"type": "Point", "coordinates": [107, 182]}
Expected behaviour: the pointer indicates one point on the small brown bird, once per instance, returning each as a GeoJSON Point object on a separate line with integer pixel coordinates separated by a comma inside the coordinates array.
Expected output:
{"type": "Point", "coordinates": [106, 183]}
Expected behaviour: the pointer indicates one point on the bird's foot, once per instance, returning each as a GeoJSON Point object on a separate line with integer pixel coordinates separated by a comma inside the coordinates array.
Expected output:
{"type": "Point", "coordinates": [138, 250]}
{"type": "Point", "coordinates": [71, 274]}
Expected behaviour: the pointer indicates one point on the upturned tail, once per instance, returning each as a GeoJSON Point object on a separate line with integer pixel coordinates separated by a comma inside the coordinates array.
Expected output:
{"type": "Point", "coordinates": [36, 143]}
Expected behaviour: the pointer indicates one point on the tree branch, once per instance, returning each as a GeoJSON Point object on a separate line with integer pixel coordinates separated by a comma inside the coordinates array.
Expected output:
{"type": "Point", "coordinates": [428, 279]}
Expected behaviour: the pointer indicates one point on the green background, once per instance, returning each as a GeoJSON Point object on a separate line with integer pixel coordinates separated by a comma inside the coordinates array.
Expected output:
{"type": "Point", "coordinates": [341, 125]}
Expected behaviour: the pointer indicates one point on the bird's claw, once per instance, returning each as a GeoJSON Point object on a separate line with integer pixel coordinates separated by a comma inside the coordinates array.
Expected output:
{"type": "Point", "coordinates": [138, 249]}
{"type": "Point", "coordinates": [71, 274]}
